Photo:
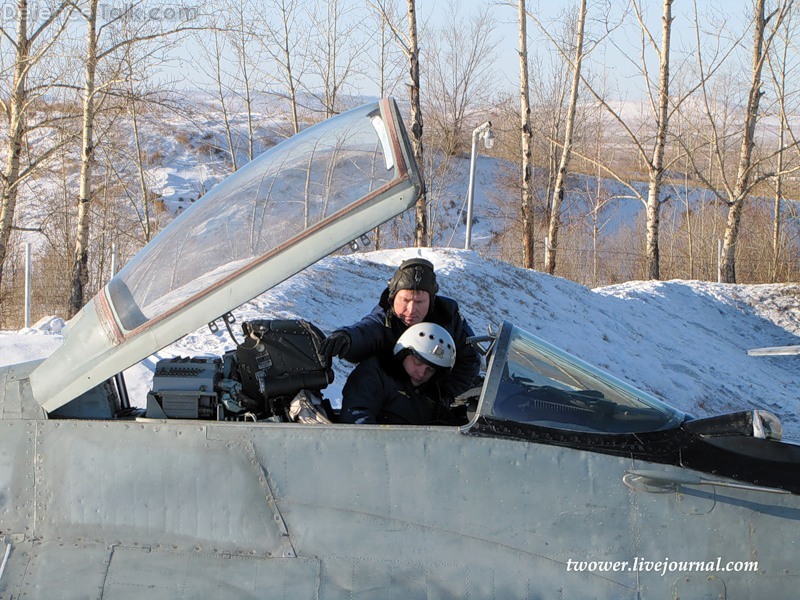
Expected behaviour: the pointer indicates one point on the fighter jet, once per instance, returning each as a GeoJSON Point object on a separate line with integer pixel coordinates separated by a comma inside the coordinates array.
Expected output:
{"type": "Point", "coordinates": [564, 483]}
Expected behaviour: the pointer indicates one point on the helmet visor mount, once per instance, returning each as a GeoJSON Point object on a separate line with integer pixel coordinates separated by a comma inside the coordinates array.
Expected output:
{"type": "Point", "coordinates": [429, 342]}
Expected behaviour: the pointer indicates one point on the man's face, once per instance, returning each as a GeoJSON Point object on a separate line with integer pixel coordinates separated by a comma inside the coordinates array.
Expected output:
{"type": "Point", "coordinates": [418, 370]}
{"type": "Point", "coordinates": [411, 306]}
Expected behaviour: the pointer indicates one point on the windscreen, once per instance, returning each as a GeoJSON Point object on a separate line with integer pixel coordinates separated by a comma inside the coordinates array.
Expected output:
{"type": "Point", "coordinates": [276, 197]}
{"type": "Point", "coordinates": [542, 385]}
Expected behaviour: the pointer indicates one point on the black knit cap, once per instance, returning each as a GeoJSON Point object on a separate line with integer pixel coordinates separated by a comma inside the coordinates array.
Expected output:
{"type": "Point", "coordinates": [414, 274]}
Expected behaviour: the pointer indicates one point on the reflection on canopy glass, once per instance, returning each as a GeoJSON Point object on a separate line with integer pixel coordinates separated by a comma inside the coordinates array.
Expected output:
{"type": "Point", "coordinates": [542, 385]}
{"type": "Point", "coordinates": [274, 198]}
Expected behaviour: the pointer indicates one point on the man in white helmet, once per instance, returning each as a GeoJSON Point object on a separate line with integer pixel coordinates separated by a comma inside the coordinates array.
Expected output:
{"type": "Point", "coordinates": [410, 297]}
{"type": "Point", "coordinates": [403, 388]}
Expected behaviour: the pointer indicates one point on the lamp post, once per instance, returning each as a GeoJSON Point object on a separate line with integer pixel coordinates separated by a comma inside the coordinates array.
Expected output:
{"type": "Point", "coordinates": [482, 131]}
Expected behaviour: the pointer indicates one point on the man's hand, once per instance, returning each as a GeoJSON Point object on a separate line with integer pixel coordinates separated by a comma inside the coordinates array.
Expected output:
{"type": "Point", "coordinates": [336, 344]}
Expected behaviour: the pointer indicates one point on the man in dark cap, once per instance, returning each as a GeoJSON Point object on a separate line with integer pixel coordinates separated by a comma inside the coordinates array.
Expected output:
{"type": "Point", "coordinates": [410, 298]}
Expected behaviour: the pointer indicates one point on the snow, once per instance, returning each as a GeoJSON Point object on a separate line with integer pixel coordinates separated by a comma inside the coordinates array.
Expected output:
{"type": "Point", "coordinates": [685, 342]}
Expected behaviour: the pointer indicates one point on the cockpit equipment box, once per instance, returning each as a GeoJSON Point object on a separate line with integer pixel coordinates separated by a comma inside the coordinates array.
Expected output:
{"type": "Point", "coordinates": [184, 388]}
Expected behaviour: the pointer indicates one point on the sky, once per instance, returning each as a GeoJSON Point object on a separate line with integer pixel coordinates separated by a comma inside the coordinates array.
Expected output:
{"type": "Point", "coordinates": [550, 12]}
{"type": "Point", "coordinates": [432, 13]}
{"type": "Point", "coordinates": [685, 342]}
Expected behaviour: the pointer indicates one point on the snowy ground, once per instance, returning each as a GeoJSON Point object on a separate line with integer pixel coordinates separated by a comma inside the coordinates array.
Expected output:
{"type": "Point", "coordinates": [685, 342]}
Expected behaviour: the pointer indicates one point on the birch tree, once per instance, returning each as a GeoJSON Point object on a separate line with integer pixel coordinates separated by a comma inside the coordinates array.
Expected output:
{"type": "Point", "coordinates": [458, 77]}
{"type": "Point", "coordinates": [751, 168]}
{"type": "Point", "coordinates": [566, 149]}
{"type": "Point", "coordinates": [80, 265]}
{"type": "Point", "coordinates": [386, 58]}
{"type": "Point", "coordinates": [248, 58]}
{"type": "Point", "coordinates": [412, 52]}
{"type": "Point", "coordinates": [649, 145]}
{"type": "Point", "coordinates": [409, 44]}
{"type": "Point", "coordinates": [548, 103]}
{"type": "Point", "coordinates": [30, 43]}
{"type": "Point", "coordinates": [658, 95]}
{"type": "Point", "coordinates": [214, 50]}
{"type": "Point", "coordinates": [285, 32]}
{"type": "Point", "coordinates": [655, 165]}
{"type": "Point", "coordinates": [123, 30]}
{"type": "Point", "coordinates": [231, 48]}
{"type": "Point", "coordinates": [336, 51]}
{"type": "Point", "coordinates": [144, 100]}
{"type": "Point", "coordinates": [457, 85]}
{"type": "Point", "coordinates": [526, 191]}
{"type": "Point", "coordinates": [745, 176]}
{"type": "Point", "coordinates": [783, 67]}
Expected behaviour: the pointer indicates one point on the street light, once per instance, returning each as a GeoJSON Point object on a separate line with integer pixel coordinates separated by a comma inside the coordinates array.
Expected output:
{"type": "Point", "coordinates": [483, 131]}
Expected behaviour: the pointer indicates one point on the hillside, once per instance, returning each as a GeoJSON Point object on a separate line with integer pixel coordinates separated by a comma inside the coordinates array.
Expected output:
{"type": "Point", "coordinates": [186, 153]}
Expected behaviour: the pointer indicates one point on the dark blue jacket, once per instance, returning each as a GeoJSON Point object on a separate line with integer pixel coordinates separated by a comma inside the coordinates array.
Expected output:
{"type": "Point", "coordinates": [380, 391]}
{"type": "Point", "coordinates": [377, 333]}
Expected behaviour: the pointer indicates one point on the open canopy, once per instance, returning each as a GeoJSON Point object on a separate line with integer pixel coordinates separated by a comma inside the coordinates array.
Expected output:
{"type": "Point", "coordinates": [291, 206]}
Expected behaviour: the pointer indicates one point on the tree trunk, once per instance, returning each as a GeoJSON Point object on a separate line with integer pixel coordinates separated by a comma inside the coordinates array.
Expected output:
{"type": "Point", "coordinates": [526, 135]}
{"type": "Point", "coordinates": [689, 225]}
{"type": "Point", "coordinates": [246, 76]}
{"type": "Point", "coordinates": [776, 219]}
{"type": "Point", "coordinates": [290, 78]}
{"type": "Point", "coordinates": [780, 82]}
{"type": "Point", "coordinates": [595, 239]}
{"type": "Point", "coordinates": [736, 206]}
{"type": "Point", "coordinates": [331, 43]}
{"type": "Point", "coordinates": [421, 221]}
{"type": "Point", "coordinates": [776, 231]}
{"type": "Point", "coordinates": [223, 103]}
{"type": "Point", "coordinates": [566, 150]}
{"type": "Point", "coordinates": [147, 228]}
{"type": "Point", "coordinates": [653, 216]}
{"type": "Point", "coordinates": [16, 132]}
{"type": "Point", "coordinates": [80, 268]}
{"type": "Point", "coordinates": [657, 162]}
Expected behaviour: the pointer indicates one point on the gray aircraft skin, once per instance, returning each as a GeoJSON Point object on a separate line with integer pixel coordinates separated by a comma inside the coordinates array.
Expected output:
{"type": "Point", "coordinates": [566, 483]}
{"type": "Point", "coordinates": [775, 351]}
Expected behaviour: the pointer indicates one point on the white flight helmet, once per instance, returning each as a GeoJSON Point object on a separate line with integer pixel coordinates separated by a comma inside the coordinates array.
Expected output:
{"type": "Point", "coordinates": [429, 341]}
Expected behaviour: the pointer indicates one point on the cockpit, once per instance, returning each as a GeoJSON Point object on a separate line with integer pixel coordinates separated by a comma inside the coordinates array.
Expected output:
{"type": "Point", "coordinates": [534, 383]}
{"type": "Point", "coordinates": [304, 199]}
